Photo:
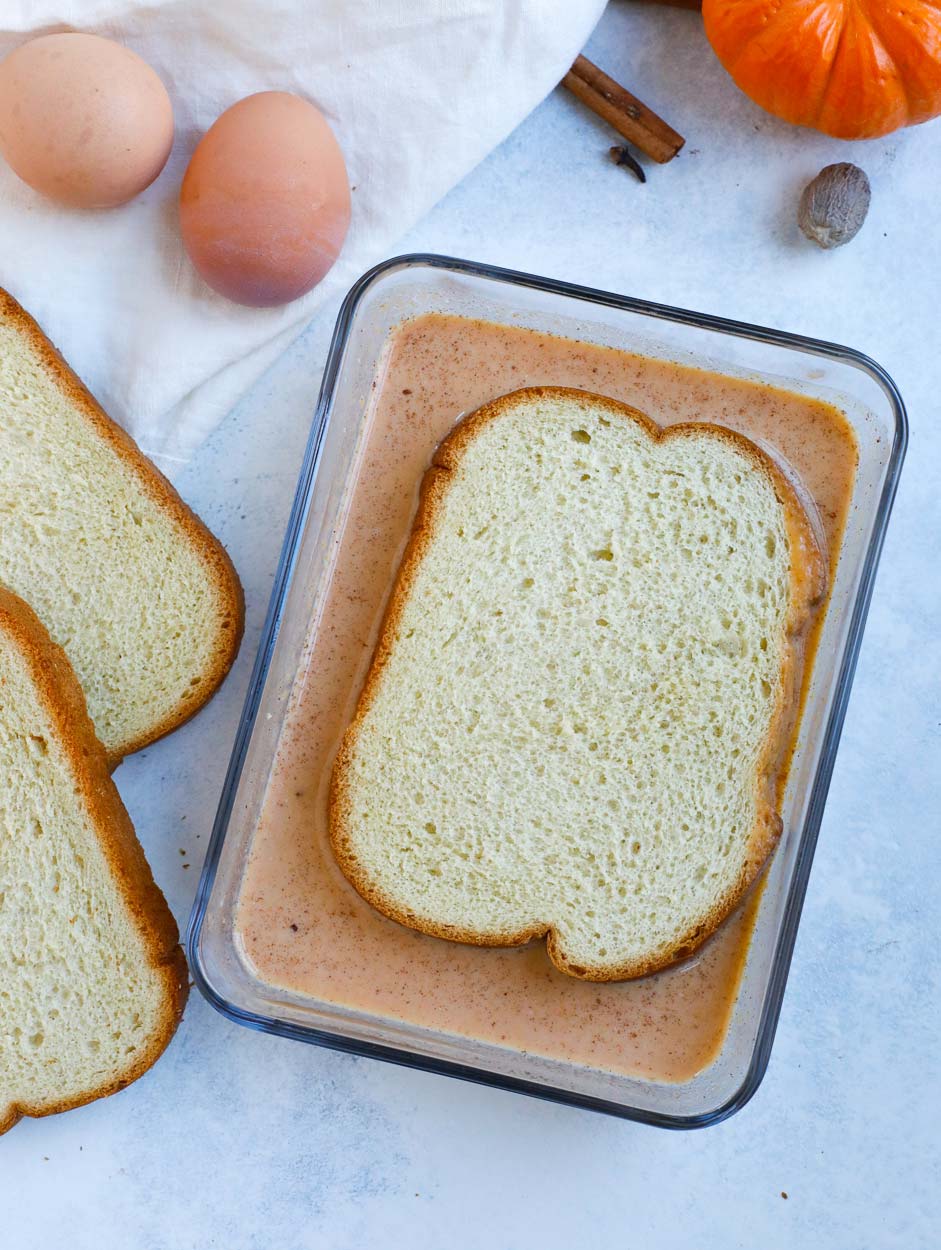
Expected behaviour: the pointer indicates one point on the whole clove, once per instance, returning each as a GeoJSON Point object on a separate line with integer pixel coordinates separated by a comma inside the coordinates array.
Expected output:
{"type": "Point", "coordinates": [622, 155]}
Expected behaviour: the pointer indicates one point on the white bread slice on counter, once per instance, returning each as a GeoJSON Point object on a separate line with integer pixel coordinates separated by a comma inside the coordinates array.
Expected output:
{"type": "Point", "coordinates": [580, 708]}
{"type": "Point", "coordinates": [124, 576]}
{"type": "Point", "coordinates": [92, 977]}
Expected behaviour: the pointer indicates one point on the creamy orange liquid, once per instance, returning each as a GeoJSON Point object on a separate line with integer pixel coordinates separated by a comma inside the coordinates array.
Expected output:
{"type": "Point", "coordinates": [301, 925]}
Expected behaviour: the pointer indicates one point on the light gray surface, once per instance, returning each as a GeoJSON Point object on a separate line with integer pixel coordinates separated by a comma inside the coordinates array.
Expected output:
{"type": "Point", "coordinates": [239, 1140]}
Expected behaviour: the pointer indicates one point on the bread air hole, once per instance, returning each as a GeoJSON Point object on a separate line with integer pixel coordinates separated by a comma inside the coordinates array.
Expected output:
{"type": "Point", "coordinates": [581, 436]}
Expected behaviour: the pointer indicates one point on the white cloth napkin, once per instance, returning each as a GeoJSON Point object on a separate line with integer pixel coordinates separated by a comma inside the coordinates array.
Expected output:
{"type": "Point", "coordinates": [417, 92]}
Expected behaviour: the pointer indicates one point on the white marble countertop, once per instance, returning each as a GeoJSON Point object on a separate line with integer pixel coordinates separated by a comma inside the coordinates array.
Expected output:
{"type": "Point", "coordinates": [240, 1140]}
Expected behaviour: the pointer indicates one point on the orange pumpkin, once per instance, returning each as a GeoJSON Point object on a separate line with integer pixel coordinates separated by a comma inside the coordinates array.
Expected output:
{"type": "Point", "coordinates": [851, 68]}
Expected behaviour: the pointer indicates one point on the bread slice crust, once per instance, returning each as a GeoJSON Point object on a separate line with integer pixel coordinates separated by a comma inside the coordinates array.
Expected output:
{"type": "Point", "coordinates": [158, 489]}
{"type": "Point", "coordinates": [808, 585]}
{"type": "Point", "coordinates": [58, 690]}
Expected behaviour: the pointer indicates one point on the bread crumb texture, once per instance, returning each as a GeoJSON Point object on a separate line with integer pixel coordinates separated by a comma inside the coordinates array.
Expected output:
{"type": "Point", "coordinates": [570, 726]}
{"type": "Point", "coordinates": [122, 574]}
{"type": "Point", "coordinates": [92, 979]}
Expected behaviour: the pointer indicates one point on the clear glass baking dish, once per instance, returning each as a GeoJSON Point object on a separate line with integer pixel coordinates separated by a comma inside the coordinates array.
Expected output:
{"type": "Point", "coordinates": [382, 299]}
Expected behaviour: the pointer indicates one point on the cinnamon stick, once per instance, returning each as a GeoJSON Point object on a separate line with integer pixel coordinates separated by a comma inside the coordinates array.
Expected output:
{"type": "Point", "coordinates": [629, 116]}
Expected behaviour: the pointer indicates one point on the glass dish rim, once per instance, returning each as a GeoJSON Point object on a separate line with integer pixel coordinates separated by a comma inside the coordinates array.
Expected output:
{"type": "Point", "coordinates": [774, 993]}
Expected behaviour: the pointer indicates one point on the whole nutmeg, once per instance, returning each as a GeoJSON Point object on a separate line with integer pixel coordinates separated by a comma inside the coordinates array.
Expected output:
{"type": "Point", "coordinates": [834, 206]}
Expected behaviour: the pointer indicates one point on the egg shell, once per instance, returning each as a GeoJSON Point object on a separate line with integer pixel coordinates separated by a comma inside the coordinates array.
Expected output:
{"type": "Point", "coordinates": [265, 203]}
{"type": "Point", "coordinates": [83, 120]}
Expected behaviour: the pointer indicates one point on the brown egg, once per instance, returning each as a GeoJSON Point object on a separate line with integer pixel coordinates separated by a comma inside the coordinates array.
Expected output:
{"type": "Point", "coordinates": [265, 204]}
{"type": "Point", "coordinates": [83, 120]}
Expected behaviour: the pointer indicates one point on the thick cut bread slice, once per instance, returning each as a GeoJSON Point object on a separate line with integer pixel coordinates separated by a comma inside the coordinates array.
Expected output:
{"type": "Point", "coordinates": [581, 703]}
{"type": "Point", "coordinates": [144, 600]}
{"type": "Point", "coordinates": [92, 977]}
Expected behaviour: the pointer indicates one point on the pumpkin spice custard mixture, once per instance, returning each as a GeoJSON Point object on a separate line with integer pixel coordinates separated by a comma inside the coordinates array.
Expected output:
{"type": "Point", "coordinates": [300, 924]}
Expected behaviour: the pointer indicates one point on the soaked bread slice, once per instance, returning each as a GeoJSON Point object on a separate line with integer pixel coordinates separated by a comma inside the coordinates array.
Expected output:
{"type": "Point", "coordinates": [92, 977]}
{"type": "Point", "coordinates": [579, 711]}
{"type": "Point", "coordinates": [144, 600]}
